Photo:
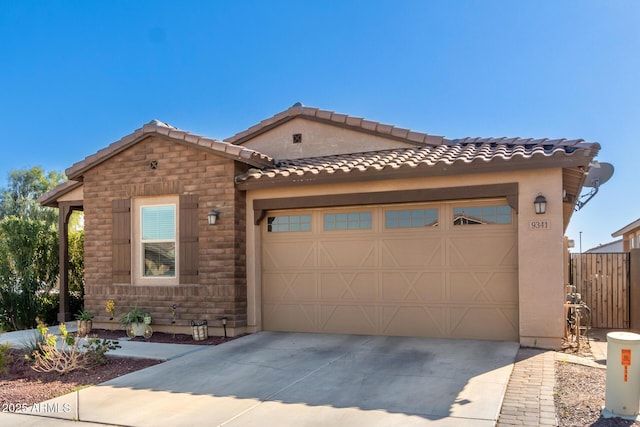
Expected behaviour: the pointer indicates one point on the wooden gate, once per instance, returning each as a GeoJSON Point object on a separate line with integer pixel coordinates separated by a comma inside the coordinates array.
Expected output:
{"type": "Point", "coordinates": [603, 281]}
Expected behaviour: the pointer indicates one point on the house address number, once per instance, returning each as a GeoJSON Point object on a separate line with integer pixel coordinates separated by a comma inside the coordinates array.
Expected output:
{"type": "Point", "coordinates": [539, 225]}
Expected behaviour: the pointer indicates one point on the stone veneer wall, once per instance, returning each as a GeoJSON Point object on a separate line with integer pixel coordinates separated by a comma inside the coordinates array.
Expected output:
{"type": "Point", "coordinates": [221, 290]}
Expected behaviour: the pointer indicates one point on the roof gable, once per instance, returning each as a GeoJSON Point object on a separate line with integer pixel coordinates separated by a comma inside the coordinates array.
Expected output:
{"type": "Point", "coordinates": [157, 128]}
{"type": "Point", "coordinates": [300, 137]}
{"type": "Point", "coordinates": [357, 124]}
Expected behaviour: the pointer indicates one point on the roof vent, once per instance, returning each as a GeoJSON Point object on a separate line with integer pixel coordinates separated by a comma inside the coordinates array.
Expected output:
{"type": "Point", "coordinates": [297, 138]}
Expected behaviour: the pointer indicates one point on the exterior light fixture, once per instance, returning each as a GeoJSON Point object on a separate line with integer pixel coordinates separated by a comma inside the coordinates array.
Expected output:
{"type": "Point", "coordinates": [540, 204]}
{"type": "Point", "coordinates": [224, 325]}
{"type": "Point", "coordinates": [212, 216]}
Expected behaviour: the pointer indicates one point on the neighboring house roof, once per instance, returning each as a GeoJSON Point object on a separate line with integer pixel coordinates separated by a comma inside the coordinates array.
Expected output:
{"type": "Point", "coordinates": [615, 246]}
{"type": "Point", "coordinates": [155, 127]}
{"type": "Point", "coordinates": [627, 228]}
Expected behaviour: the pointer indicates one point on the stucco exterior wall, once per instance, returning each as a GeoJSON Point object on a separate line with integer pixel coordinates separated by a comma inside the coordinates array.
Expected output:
{"type": "Point", "coordinates": [318, 139]}
{"type": "Point", "coordinates": [221, 290]}
{"type": "Point", "coordinates": [540, 251]}
{"type": "Point", "coordinates": [541, 261]}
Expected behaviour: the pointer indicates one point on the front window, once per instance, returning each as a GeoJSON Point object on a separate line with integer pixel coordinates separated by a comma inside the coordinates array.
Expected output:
{"type": "Point", "coordinates": [158, 240]}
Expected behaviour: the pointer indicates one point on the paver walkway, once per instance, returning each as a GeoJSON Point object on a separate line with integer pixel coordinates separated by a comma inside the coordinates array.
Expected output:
{"type": "Point", "coordinates": [528, 400]}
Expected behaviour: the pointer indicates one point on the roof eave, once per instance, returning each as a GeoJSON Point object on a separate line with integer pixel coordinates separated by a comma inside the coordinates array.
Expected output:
{"type": "Point", "coordinates": [50, 198]}
{"type": "Point", "coordinates": [627, 228]}
{"type": "Point", "coordinates": [209, 145]}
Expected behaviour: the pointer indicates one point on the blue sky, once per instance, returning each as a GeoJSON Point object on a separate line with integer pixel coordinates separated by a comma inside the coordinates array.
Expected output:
{"type": "Point", "coordinates": [76, 75]}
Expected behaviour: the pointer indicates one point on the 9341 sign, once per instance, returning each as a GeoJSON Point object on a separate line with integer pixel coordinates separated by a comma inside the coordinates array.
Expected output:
{"type": "Point", "coordinates": [537, 224]}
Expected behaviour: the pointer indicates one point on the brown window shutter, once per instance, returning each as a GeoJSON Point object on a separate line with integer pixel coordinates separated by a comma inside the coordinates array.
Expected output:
{"type": "Point", "coordinates": [188, 234]}
{"type": "Point", "coordinates": [121, 240]}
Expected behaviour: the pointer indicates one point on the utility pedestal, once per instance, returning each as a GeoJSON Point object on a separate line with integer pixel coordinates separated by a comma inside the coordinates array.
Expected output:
{"type": "Point", "coordinates": [622, 398]}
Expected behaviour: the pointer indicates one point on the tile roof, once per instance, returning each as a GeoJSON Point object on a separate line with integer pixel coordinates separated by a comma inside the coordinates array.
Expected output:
{"type": "Point", "coordinates": [156, 127]}
{"type": "Point", "coordinates": [449, 153]}
{"type": "Point", "coordinates": [358, 123]}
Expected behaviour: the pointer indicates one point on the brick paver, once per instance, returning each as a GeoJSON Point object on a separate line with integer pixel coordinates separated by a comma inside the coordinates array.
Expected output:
{"type": "Point", "coordinates": [528, 400]}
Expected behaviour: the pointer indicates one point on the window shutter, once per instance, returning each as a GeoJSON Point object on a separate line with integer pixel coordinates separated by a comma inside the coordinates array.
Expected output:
{"type": "Point", "coordinates": [121, 240]}
{"type": "Point", "coordinates": [188, 235]}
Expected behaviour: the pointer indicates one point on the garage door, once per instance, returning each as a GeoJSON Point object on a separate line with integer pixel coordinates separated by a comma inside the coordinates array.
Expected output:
{"type": "Point", "coordinates": [431, 270]}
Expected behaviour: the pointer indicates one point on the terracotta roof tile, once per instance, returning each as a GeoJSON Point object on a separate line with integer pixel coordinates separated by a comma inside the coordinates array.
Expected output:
{"type": "Point", "coordinates": [449, 153]}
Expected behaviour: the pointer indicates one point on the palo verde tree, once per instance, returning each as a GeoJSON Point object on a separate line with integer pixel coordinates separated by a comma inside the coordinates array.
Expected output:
{"type": "Point", "coordinates": [28, 249]}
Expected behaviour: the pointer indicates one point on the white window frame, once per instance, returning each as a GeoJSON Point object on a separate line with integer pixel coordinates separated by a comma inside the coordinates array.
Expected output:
{"type": "Point", "coordinates": [137, 264]}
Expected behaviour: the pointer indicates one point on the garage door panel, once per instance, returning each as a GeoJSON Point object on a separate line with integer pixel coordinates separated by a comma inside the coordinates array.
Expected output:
{"type": "Point", "coordinates": [484, 322]}
{"type": "Point", "coordinates": [348, 285]}
{"type": "Point", "coordinates": [412, 252]}
{"type": "Point", "coordinates": [354, 318]}
{"type": "Point", "coordinates": [413, 286]}
{"type": "Point", "coordinates": [500, 287]}
{"type": "Point", "coordinates": [425, 321]}
{"type": "Point", "coordinates": [289, 285]}
{"type": "Point", "coordinates": [297, 254]}
{"type": "Point", "coordinates": [278, 316]}
{"type": "Point", "coordinates": [347, 253]}
{"type": "Point", "coordinates": [483, 250]}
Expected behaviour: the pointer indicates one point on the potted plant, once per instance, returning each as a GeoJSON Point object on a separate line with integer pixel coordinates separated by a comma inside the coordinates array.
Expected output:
{"type": "Point", "coordinates": [136, 323]}
{"type": "Point", "coordinates": [85, 323]}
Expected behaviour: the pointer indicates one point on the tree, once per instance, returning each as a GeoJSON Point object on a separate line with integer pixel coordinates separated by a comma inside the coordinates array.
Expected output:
{"type": "Point", "coordinates": [28, 269]}
{"type": "Point", "coordinates": [25, 186]}
{"type": "Point", "coordinates": [76, 259]}
{"type": "Point", "coordinates": [28, 249]}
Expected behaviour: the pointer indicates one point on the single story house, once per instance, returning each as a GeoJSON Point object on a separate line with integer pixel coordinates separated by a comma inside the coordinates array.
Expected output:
{"type": "Point", "coordinates": [606, 248]}
{"type": "Point", "coordinates": [328, 223]}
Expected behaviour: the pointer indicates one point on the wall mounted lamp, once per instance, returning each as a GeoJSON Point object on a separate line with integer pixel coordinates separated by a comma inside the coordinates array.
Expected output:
{"type": "Point", "coordinates": [540, 204]}
{"type": "Point", "coordinates": [212, 216]}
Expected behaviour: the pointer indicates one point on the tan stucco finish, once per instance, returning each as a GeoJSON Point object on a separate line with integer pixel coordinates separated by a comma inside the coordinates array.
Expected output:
{"type": "Point", "coordinates": [317, 140]}
{"type": "Point", "coordinates": [73, 195]}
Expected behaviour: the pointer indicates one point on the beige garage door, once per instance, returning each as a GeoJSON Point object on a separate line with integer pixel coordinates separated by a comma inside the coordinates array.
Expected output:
{"type": "Point", "coordinates": [432, 270]}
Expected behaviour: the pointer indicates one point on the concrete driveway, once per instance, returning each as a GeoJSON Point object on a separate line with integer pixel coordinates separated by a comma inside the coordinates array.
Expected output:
{"type": "Point", "coordinates": [296, 379]}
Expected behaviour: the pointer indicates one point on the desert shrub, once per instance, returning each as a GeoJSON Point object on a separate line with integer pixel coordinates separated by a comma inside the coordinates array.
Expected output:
{"type": "Point", "coordinates": [69, 355]}
{"type": "Point", "coordinates": [96, 350]}
{"type": "Point", "coordinates": [33, 345]}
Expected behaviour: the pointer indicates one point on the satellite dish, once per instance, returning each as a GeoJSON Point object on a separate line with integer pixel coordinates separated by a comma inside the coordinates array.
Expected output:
{"type": "Point", "coordinates": [599, 173]}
